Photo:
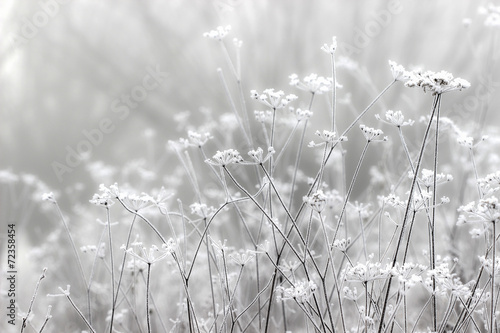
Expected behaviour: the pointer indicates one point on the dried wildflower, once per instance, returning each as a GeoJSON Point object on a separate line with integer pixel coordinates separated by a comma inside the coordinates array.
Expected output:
{"type": "Point", "coordinates": [436, 82]}
{"type": "Point", "coordinates": [301, 114]}
{"type": "Point", "coordinates": [317, 201]}
{"type": "Point", "coordinates": [330, 48]}
{"type": "Point", "coordinates": [170, 246]}
{"type": "Point", "coordinates": [242, 258]}
{"type": "Point", "coordinates": [219, 33]}
{"type": "Point", "coordinates": [395, 118]}
{"type": "Point", "coordinates": [223, 158]}
{"type": "Point", "coordinates": [102, 199]}
{"type": "Point", "coordinates": [312, 83]}
{"type": "Point", "coordinates": [202, 210]}
{"type": "Point", "coordinates": [392, 200]}
{"type": "Point", "coordinates": [488, 266]}
{"type": "Point", "coordinates": [366, 272]}
{"type": "Point", "coordinates": [196, 139]}
{"type": "Point", "coordinates": [342, 244]}
{"type": "Point", "coordinates": [427, 178]}
{"type": "Point", "coordinates": [220, 246]}
{"type": "Point", "coordinates": [399, 73]}
{"type": "Point", "coordinates": [147, 256]}
{"type": "Point", "coordinates": [333, 198]}
{"type": "Point", "coordinates": [408, 274]}
{"type": "Point", "coordinates": [468, 141]}
{"type": "Point", "coordinates": [486, 210]}
{"type": "Point", "coordinates": [263, 116]}
{"type": "Point", "coordinates": [490, 183]}
{"type": "Point", "coordinates": [351, 294]}
{"type": "Point", "coordinates": [258, 155]}
{"type": "Point", "coordinates": [446, 282]}
{"type": "Point", "coordinates": [274, 100]}
{"type": "Point", "coordinates": [301, 292]}
{"type": "Point", "coordinates": [372, 134]}
{"type": "Point", "coordinates": [362, 209]}
{"type": "Point", "coordinates": [49, 197]}
{"type": "Point", "coordinates": [327, 138]}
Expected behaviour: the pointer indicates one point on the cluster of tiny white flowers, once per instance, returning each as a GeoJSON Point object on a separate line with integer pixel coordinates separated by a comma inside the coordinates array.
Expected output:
{"type": "Point", "coordinates": [49, 197]}
{"type": "Point", "coordinates": [312, 83]}
{"type": "Point", "coordinates": [196, 139]}
{"type": "Point", "coordinates": [436, 82]}
{"type": "Point", "coordinates": [486, 210]}
{"type": "Point", "coordinates": [258, 155]}
{"type": "Point", "coordinates": [273, 99]}
{"type": "Point", "coordinates": [399, 73]}
{"type": "Point", "coordinates": [490, 183]}
{"type": "Point", "coordinates": [170, 246]}
{"type": "Point", "coordinates": [150, 256]}
{"type": "Point", "coordinates": [392, 200]}
{"type": "Point", "coordinates": [223, 158]}
{"type": "Point", "coordinates": [327, 138]}
{"type": "Point", "coordinates": [372, 134]}
{"type": "Point", "coordinates": [427, 178]}
{"type": "Point", "coordinates": [333, 198]}
{"type": "Point", "coordinates": [409, 274]}
{"type": "Point", "coordinates": [242, 258]}
{"type": "Point", "coordinates": [395, 118]}
{"type": "Point", "coordinates": [99, 251]}
{"type": "Point", "coordinates": [446, 281]}
{"type": "Point", "coordinates": [317, 201]}
{"type": "Point", "coordinates": [468, 141]}
{"type": "Point", "coordinates": [330, 48]}
{"type": "Point", "coordinates": [350, 294]}
{"type": "Point", "coordinates": [219, 33]}
{"type": "Point", "coordinates": [263, 116]}
{"type": "Point", "coordinates": [301, 114]}
{"type": "Point", "coordinates": [201, 209]}
{"type": "Point", "coordinates": [362, 209]}
{"type": "Point", "coordinates": [342, 244]}
{"type": "Point", "coordinates": [301, 292]}
{"type": "Point", "coordinates": [369, 271]}
{"type": "Point", "coordinates": [487, 263]}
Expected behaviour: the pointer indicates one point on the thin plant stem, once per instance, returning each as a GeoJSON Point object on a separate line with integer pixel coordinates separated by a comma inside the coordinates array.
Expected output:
{"type": "Point", "coordinates": [351, 186]}
{"type": "Point", "coordinates": [148, 316]}
{"type": "Point", "coordinates": [112, 264]}
{"type": "Point", "coordinates": [30, 308]}
{"type": "Point", "coordinates": [432, 253]}
{"type": "Point", "coordinates": [407, 211]}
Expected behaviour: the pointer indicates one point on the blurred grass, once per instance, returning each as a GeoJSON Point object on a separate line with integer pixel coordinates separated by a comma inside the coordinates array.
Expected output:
{"type": "Point", "coordinates": [64, 79]}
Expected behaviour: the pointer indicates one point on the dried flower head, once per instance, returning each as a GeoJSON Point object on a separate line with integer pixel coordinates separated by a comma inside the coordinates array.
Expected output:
{"type": "Point", "coordinates": [219, 33]}
{"type": "Point", "coordinates": [372, 134]}
{"type": "Point", "coordinates": [313, 83]}
{"type": "Point", "coordinates": [196, 139]}
{"type": "Point", "coordinates": [273, 99]}
{"type": "Point", "coordinates": [436, 82]}
{"type": "Point", "coordinates": [395, 118]}
{"type": "Point", "coordinates": [330, 48]}
{"type": "Point", "coordinates": [258, 155]}
{"type": "Point", "coordinates": [399, 73]}
{"type": "Point", "coordinates": [223, 158]}
{"type": "Point", "coordinates": [317, 201]}
{"type": "Point", "coordinates": [327, 138]}
{"type": "Point", "coordinates": [301, 292]}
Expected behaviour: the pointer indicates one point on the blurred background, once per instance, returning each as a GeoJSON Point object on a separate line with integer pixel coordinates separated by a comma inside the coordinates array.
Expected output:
{"type": "Point", "coordinates": [69, 69]}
